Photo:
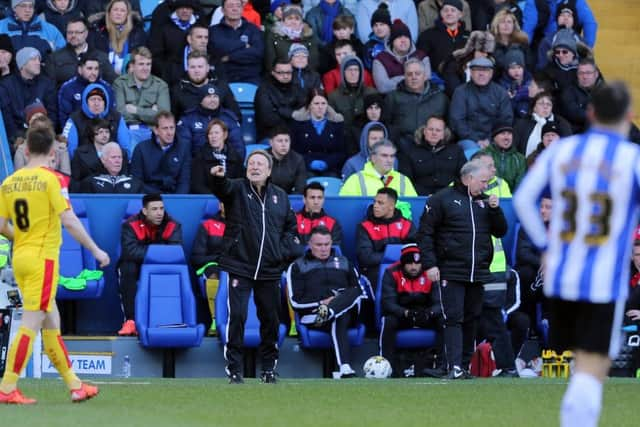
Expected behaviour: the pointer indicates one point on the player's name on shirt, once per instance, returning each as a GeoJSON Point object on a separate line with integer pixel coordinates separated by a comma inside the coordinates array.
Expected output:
{"type": "Point", "coordinates": [24, 184]}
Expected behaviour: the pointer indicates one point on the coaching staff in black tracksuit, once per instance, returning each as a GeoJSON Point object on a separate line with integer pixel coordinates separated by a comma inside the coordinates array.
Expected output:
{"type": "Point", "coordinates": [455, 241]}
{"type": "Point", "coordinates": [259, 240]}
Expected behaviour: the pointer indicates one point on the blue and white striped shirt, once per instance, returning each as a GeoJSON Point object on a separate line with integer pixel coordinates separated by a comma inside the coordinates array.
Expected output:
{"type": "Point", "coordinates": [594, 182]}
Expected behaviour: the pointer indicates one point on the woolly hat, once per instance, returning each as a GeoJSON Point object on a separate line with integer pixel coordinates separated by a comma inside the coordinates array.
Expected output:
{"type": "Point", "coordinates": [5, 44]}
{"type": "Point", "coordinates": [501, 127]}
{"type": "Point", "coordinates": [399, 29]}
{"type": "Point", "coordinates": [567, 7]}
{"type": "Point", "coordinates": [455, 3]}
{"type": "Point", "coordinates": [550, 126]}
{"type": "Point", "coordinates": [208, 89]}
{"type": "Point", "coordinates": [33, 109]}
{"type": "Point", "coordinates": [296, 48]}
{"type": "Point", "coordinates": [381, 14]}
{"type": "Point", "coordinates": [14, 3]}
{"type": "Point", "coordinates": [291, 9]}
{"type": "Point", "coordinates": [277, 3]}
{"type": "Point", "coordinates": [410, 253]}
{"type": "Point", "coordinates": [373, 98]}
{"type": "Point", "coordinates": [513, 57]}
{"type": "Point", "coordinates": [26, 54]}
{"type": "Point", "coordinates": [96, 91]}
{"type": "Point", "coordinates": [482, 41]}
{"type": "Point", "coordinates": [565, 38]}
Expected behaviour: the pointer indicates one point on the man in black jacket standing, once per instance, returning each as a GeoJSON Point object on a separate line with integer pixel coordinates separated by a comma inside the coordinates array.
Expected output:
{"type": "Point", "coordinates": [455, 241]}
{"type": "Point", "coordinates": [259, 239]}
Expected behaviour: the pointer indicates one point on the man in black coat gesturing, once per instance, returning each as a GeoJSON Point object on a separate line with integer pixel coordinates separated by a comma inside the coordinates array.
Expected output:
{"type": "Point", "coordinates": [259, 240]}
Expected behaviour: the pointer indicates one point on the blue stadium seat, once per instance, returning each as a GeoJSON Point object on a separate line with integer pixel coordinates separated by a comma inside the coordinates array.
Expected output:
{"type": "Point", "coordinates": [248, 126]}
{"type": "Point", "coordinates": [165, 304]}
{"type": "Point", "coordinates": [250, 148]}
{"type": "Point", "coordinates": [211, 208]}
{"type": "Point", "coordinates": [252, 325]}
{"type": "Point", "coordinates": [405, 338]}
{"type": "Point", "coordinates": [146, 8]}
{"type": "Point", "coordinates": [133, 207]}
{"type": "Point", "coordinates": [244, 94]}
{"type": "Point", "coordinates": [74, 258]}
{"type": "Point", "coordinates": [331, 185]}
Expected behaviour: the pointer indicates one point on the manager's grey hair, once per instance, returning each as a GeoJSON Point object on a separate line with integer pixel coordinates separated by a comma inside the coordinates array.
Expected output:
{"type": "Point", "coordinates": [472, 168]}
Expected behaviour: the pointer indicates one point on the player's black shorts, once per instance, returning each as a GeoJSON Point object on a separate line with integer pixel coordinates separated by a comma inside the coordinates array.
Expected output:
{"type": "Point", "coordinates": [581, 325]}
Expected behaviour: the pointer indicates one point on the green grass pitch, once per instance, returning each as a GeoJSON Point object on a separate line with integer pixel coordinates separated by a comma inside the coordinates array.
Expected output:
{"type": "Point", "coordinates": [322, 403]}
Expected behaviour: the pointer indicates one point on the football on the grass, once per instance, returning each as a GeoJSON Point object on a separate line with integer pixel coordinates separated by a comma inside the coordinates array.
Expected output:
{"type": "Point", "coordinates": [377, 367]}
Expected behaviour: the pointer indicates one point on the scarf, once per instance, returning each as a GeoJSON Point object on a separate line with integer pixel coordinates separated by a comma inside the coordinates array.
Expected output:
{"type": "Point", "coordinates": [291, 33]}
{"type": "Point", "coordinates": [319, 125]}
{"type": "Point", "coordinates": [330, 11]}
{"type": "Point", "coordinates": [184, 26]}
{"type": "Point", "coordinates": [571, 66]}
{"type": "Point", "coordinates": [536, 134]}
{"type": "Point", "coordinates": [301, 77]}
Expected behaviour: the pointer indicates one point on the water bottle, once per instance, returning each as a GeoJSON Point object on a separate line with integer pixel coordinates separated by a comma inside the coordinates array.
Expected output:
{"type": "Point", "coordinates": [126, 367]}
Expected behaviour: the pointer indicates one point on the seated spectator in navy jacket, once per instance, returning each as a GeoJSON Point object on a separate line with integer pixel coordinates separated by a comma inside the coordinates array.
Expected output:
{"type": "Point", "coordinates": [163, 162]}
{"type": "Point", "coordinates": [96, 104]}
{"type": "Point", "coordinates": [62, 64]}
{"type": "Point", "coordinates": [576, 97]}
{"type": "Point", "coordinates": [168, 38]}
{"type": "Point", "coordinates": [70, 93]}
{"type": "Point", "coordinates": [216, 151]}
{"type": "Point", "coordinates": [26, 29]}
{"type": "Point", "coordinates": [113, 180]}
{"type": "Point", "coordinates": [193, 124]}
{"type": "Point", "coordinates": [86, 159]}
{"type": "Point", "coordinates": [289, 171]}
{"type": "Point", "coordinates": [312, 215]}
{"type": "Point", "coordinates": [28, 85]}
{"type": "Point", "coordinates": [236, 45]}
{"type": "Point", "coordinates": [318, 135]}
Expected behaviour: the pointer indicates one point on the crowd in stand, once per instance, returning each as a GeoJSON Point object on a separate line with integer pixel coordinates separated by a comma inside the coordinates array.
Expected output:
{"type": "Point", "coordinates": [392, 97]}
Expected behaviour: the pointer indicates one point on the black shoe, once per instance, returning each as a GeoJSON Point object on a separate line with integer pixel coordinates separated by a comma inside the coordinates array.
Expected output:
{"type": "Point", "coordinates": [434, 373]}
{"type": "Point", "coordinates": [268, 377]}
{"type": "Point", "coordinates": [236, 378]}
{"type": "Point", "coordinates": [468, 376]}
{"type": "Point", "coordinates": [507, 373]}
{"type": "Point", "coordinates": [456, 373]}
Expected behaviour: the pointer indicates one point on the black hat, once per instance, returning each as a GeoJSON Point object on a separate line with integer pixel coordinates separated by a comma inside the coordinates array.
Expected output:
{"type": "Point", "coordinates": [381, 14]}
{"type": "Point", "coordinates": [373, 98]}
{"type": "Point", "coordinates": [410, 253]}
{"type": "Point", "coordinates": [5, 44]}
{"type": "Point", "coordinates": [175, 4]}
{"type": "Point", "coordinates": [501, 127]}
{"type": "Point", "coordinates": [550, 126]}
{"type": "Point", "coordinates": [514, 57]}
{"type": "Point", "coordinates": [455, 3]}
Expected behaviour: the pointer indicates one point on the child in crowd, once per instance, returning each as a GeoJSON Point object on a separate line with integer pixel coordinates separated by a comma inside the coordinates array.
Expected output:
{"type": "Point", "coordinates": [515, 79]}
{"type": "Point", "coordinates": [380, 31]}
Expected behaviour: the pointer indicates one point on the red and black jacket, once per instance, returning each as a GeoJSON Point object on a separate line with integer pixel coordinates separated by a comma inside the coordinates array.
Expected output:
{"type": "Point", "coordinates": [374, 234]}
{"type": "Point", "coordinates": [138, 234]}
{"type": "Point", "coordinates": [400, 292]}
{"type": "Point", "coordinates": [207, 246]}
{"type": "Point", "coordinates": [308, 221]}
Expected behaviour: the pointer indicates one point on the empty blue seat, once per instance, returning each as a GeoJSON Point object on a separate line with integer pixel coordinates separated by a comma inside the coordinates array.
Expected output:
{"type": "Point", "coordinates": [244, 93]}
{"type": "Point", "coordinates": [405, 338]}
{"type": "Point", "coordinates": [74, 258]}
{"type": "Point", "coordinates": [133, 207]}
{"type": "Point", "coordinates": [252, 325]}
{"type": "Point", "coordinates": [248, 126]}
{"type": "Point", "coordinates": [165, 304]}
{"type": "Point", "coordinates": [331, 184]}
{"type": "Point", "coordinates": [511, 236]}
{"type": "Point", "coordinates": [250, 148]}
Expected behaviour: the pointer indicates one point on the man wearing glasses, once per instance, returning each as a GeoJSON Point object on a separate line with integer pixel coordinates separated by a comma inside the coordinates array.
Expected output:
{"type": "Point", "coordinates": [63, 63]}
{"type": "Point", "coordinates": [277, 98]}
{"type": "Point", "coordinates": [28, 30]}
{"type": "Point", "coordinates": [575, 98]}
